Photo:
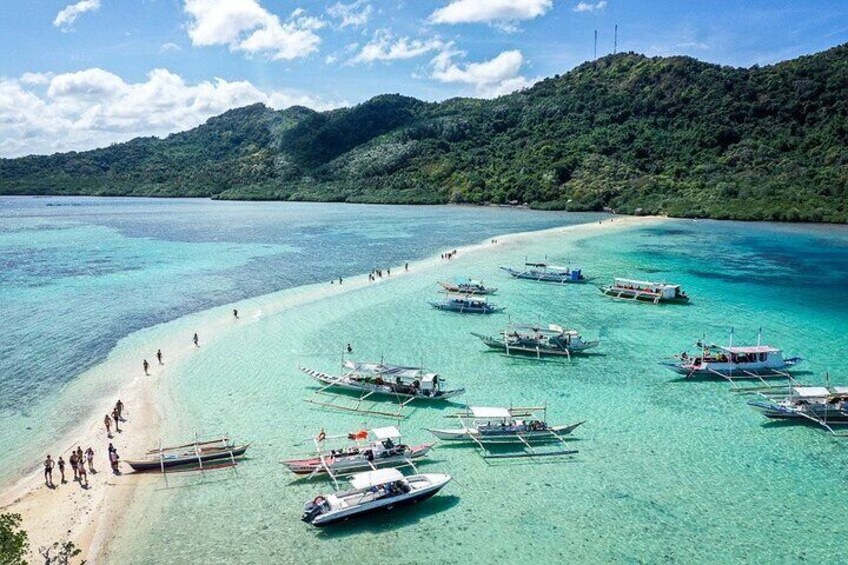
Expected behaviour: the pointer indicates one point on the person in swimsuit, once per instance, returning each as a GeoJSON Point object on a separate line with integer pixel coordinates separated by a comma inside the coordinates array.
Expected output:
{"type": "Point", "coordinates": [107, 421]}
{"type": "Point", "coordinates": [89, 456]}
{"type": "Point", "coordinates": [146, 366]}
{"type": "Point", "coordinates": [196, 341]}
{"type": "Point", "coordinates": [119, 406]}
{"type": "Point", "coordinates": [72, 460]}
{"type": "Point", "coordinates": [61, 463]}
{"type": "Point", "coordinates": [116, 417]}
{"type": "Point", "coordinates": [83, 476]}
{"type": "Point", "coordinates": [48, 471]}
{"type": "Point", "coordinates": [159, 356]}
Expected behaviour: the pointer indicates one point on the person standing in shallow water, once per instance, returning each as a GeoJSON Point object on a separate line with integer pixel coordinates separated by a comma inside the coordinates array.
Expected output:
{"type": "Point", "coordinates": [196, 341]}
{"type": "Point", "coordinates": [235, 314]}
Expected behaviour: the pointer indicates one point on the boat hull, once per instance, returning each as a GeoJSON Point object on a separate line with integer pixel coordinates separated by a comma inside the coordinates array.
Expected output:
{"type": "Point", "coordinates": [187, 460]}
{"type": "Point", "coordinates": [350, 464]}
{"type": "Point", "coordinates": [498, 344]}
{"type": "Point", "coordinates": [813, 414]}
{"type": "Point", "coordinates": [465, 309]}
{"type": "Point", "coordinates": [720, 370]}
{"type": "Point", "coordinates": [346, 384]}
{"type": "Point", "coordinates": [381, 505]}
{"type": "Point", "coordinates": [463, 289]}
{"type": "Point", "coordinates": [472, 434]}
{"type": "Point", "coordinates": [545, 277]}
{"type": "Point", "coordinates": [641, 297]}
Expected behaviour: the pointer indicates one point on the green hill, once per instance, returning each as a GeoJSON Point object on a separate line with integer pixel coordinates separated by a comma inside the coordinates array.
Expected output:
{"type": "Point", "coordinates": [664, 135]}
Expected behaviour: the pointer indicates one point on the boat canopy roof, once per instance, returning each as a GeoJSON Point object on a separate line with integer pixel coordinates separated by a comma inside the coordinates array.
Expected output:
{"type": "Point", "coordinates": [551, 329]}
{"type": "Point", "coordinates": [383, 369]}
{"type": "Point", "coordinates": [750, 349]}
{"type": "Point", "coordinates": [388, 432]}
{"type": "Point", "coordinates": [644, 284]}
{"type": "Point", "coordinates": [811, 391]}
{"type": "Point", "coordinates": [489, 412]}
{"type": "Point", "coordinates": [375, 478]}
{"type": "Point", "coordinates": [467, 280]}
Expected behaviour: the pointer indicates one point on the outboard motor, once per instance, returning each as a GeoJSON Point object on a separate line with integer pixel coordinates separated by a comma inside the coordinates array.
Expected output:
{"type": "Point", "coordinates": [313, 509]}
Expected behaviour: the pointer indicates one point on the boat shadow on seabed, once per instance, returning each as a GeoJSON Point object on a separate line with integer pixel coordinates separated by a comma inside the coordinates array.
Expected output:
{"type": "Point", "coordinates": [389, 521]}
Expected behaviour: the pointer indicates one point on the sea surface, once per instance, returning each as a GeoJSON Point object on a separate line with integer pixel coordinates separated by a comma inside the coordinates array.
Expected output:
{"type": "Point", "coordinates": [667, 470]}
{"type": "Point", "coordinates": [79, 274]}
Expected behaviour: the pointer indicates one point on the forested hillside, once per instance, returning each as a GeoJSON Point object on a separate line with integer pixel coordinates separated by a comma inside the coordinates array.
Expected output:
{"type": "Point", "coordinates": [664, 135]}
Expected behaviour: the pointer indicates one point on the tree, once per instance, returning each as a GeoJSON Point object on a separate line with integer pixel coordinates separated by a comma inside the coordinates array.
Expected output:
{"type": "Point", "coordinates": [60, 553]}
{"type": "Point", "coordinates": [13, 541]}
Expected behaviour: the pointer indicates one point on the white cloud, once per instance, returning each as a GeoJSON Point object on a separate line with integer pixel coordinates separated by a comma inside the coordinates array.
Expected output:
{"type": "Point", "coordinates": [384, 47]}
{"type": "Point", "coordinates": [497, 76]}
{"type": "Point", "coordinates": [93, 108]}
{"type": "Point", "coordinates": [246, 26]}
{"type": "Point", "coordinates": [36, 78]}
{"type": "Point", "coordinates": [355, 14]}
{"type": "Point", "coordinates": [68, 15]}
{"type": "Point", "coordinates": [498, 12]}
{"type": "Point", "coordinates": [589, 7]}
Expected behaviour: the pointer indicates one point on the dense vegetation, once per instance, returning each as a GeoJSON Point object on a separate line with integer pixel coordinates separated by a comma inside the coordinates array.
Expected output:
{"type": "Point", "coordinates": [656, 135]}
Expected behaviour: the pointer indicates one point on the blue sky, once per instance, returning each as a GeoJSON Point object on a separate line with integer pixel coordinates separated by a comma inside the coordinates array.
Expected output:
{"type": "Point", "coordinates": [77, 75]}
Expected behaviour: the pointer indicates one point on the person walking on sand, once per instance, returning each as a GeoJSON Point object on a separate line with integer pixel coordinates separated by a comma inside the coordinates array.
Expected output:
{"type": "Point", "coordinates": [61, 463]}
{"type": "Point", "coordinates": [107, 421]}
{"type": "Point", "coordinates": [196, 341]}
{"type": "Point", "coordinates": [235, 313]}
{"type": "Point", "coordinates": [159, 356]}
{"type": "Point", "coordinates": [146, 366]}
{"type": "Point", "coordinates": [48, 471]}
{"type": "Point", "coordinates": [119, 407]}
{"type": "Point", "coordinates": [116, 418]}
{"type": "Point", "coordinates": [89, 457]}
{"type": "Point", "coordinates": [114, 459]}
{"type": "Point", "coordinates": [72, 460]}
{"type": "Point", "coordinates": [83, 476]}
{"type": "Point", "coordinates": [406, 266]}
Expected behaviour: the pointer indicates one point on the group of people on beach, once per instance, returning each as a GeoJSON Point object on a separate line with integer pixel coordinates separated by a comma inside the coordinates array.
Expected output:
{"type": "Point", "coordinates": [77, 461]}
{"type": "Point", "coordinates": [375, 274]}
{"type": "Point", "coordinates": [449, 255]}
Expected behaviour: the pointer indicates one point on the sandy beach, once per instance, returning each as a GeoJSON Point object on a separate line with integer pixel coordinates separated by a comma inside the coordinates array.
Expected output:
{"type": "Point", "coordinates": [89, 517]}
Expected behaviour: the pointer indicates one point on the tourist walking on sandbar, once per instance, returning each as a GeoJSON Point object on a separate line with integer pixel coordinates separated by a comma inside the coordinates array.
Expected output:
{"type": "Point", "coordinates": [48, 472]}
{"type": "Point", "coordinates": [235, 313]}
{"type": "Point", "coordinates": [113, 459]}
{"type": "Point", "coordinates": [72, 460]}
{"type": "Point", "coordinates": [196, 341]}
{"type": "Point", "coordinates": [89, 457]}
{"type": "Point", "coordinates": [146, 366]}
{"type": "Point", "coordinates": [159, 356]}
{"type": "Point", "coordinates": [119, 408]}
{"type": "Point", "coordinates": [117, 419]}
{"type": "Point", "coordinates": [83, 476]}
{"type": "Point", "coordinates": [107, 421]}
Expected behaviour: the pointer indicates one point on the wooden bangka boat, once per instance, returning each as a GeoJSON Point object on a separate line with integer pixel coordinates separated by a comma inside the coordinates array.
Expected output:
{"type": "Point", "coordinates": [644, 291]}
{"type": "Point", "coordinates": [467, 286]}
{"type": "Point", "coordinates": [826, 406]}
{"type": "Point", "coordinates": [366, 450]}
{"type": "Point", "coordinates": [373, 491]}
{"type": "Point", "coordinates": [547, 273]}
{"type": "Point", "coordinates": [466, 304]}
{"type": "Point", "coordinates": [200, 455]}
{"type": "Point", "coordinates": [739, 362]}
{"type": "Point", "coordinates": [538, 341]}
{"type": "Point", "coordinates": [405, 384]}
{"type": "Point", "coordinates": [515, 426]}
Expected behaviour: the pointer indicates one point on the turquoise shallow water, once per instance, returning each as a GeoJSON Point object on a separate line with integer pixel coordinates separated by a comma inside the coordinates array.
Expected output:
{"type": "Point", "coordinates": [79, 274]}
{"type": "Point", "coordinates": [667, 470]}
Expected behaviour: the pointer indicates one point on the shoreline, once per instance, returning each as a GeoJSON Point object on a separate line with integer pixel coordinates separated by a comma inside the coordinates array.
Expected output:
{"type": "Point", "coordinates": [90, 518]}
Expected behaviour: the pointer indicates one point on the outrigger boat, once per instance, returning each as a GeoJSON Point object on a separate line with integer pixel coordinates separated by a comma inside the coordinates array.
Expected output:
{"type": "Point", "coordinates": [370, 449]}
{"type": "Point", "coordinates": [538, 341]}
{"type": "Point", "coordinates": [734, 362]}
{"type": "Point", "coordinates": [466, 304]}
{"type": "Point", "coordinates": [644, 291]}
{"type": "Point", "coordinates": [511, 426]}
{"type": "Point", "coordinates": [547, 273]}
{"type": "Point", "coordinates": [200, 454]}
{"type": "Point", "coordinates": [467, 286]}
{"type": "Point", "coordinates": [405, 384]}
{"type": "Point", "coordinates": [825, 406]}
{"type": "Point", "coordinates": [372, 491]}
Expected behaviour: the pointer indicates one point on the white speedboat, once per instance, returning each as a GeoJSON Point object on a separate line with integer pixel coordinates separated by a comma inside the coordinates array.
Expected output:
{"type": "Point", "coordinates": [373, 491]}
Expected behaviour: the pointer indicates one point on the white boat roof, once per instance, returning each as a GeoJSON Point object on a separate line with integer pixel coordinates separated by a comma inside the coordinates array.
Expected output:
{"type": "Point", "coordinates": [388, 432]}
{"type": "Point", "coordinates": [489, 412]}
{"type": "Point", "coordinates": [645, 283]}
{"type": "Point", "coordinates": [375, 478]}
{"type": "Point", "coordinates": [750, 349]}
{"type": "Point", "coordinates": [811, 391]}
{"type": "Point", "coordinates": [840, 389]}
